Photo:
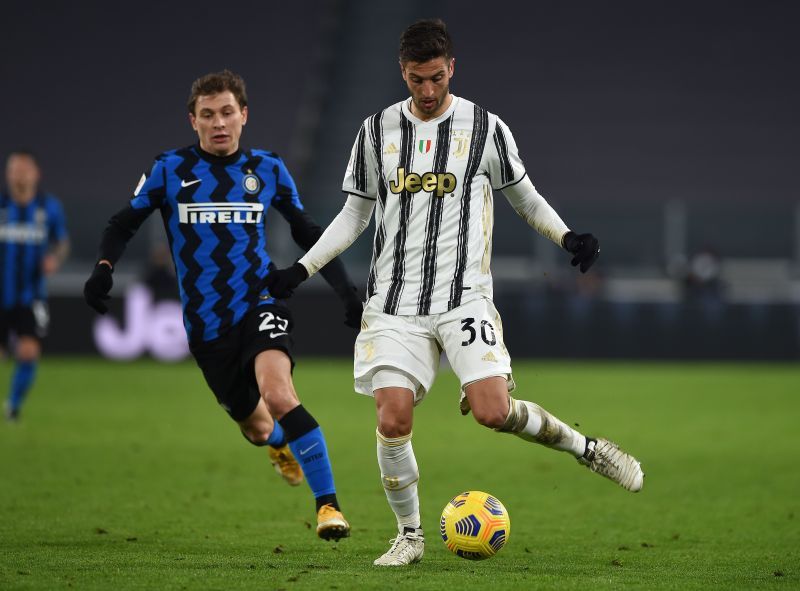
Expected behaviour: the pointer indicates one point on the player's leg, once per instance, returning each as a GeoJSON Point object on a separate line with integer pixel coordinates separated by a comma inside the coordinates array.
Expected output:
{"type": "Point", "coordinates": [531, 422]}
{"type": "Point", "coordinates": [273, 369]}
{"type": "Point", "coordinates": [394, 401]}
{"type": "Point", "coordinates": [396, 362]}
{"type": "Point", "coordinates": [235, 390]}
{"type": "Point", "coordinates": [473, 339]}
{"type": "Point", "coordinates": [30, 325]}
{"type": "Point", "coordinates": [26, 359]}
{"type": "Point", "coordinates": [493, 407]}
{"type": "Point", "coordinates": [262, 430]}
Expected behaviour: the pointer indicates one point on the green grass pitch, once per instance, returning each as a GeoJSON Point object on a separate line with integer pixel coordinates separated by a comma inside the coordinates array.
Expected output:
{"type": "Point", "coordinates": [128, 476]}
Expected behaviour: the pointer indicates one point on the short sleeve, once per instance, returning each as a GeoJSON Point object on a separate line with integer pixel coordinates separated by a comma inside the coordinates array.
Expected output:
{"type": "Point", "coordinates": [504, 164]}
{"type": "Point", "coordinates": [285, 187]}
{"type": "Point", "coordinates": [149, 193]}
{"type": "Point", "coordinates": [56, 221]}
{"type": "Point", "coordinates": [361, 176]}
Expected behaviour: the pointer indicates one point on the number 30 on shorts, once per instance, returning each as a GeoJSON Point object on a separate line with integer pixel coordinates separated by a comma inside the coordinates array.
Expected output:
{"type": "Point", "coordinates": [487, 332]}
{"type": "Point", "coordinates": [271, 322]}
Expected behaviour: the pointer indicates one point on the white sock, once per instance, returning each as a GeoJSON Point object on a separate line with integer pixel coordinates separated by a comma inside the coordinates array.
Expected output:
{"type": "Point", "coordinates": [399, 475]}
{"type": "Point", "coordinates": [531, 422]}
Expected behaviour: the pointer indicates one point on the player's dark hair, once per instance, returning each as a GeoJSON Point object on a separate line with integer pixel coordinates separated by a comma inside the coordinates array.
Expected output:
{"type": "Point", "coordinates": [425, 40]}
{"type": "Point", "coordinates": [26, 153]}
{"type": "Point", "coordinates": [215, 83]}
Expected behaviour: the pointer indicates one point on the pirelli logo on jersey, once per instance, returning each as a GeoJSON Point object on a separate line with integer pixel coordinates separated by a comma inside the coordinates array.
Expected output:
{"type": "Point", "coordinates": [220, 213]}
{"type": "Point", "coordinates": [23, 233]}
{"type": "Point", "coordinates": [436, 183]}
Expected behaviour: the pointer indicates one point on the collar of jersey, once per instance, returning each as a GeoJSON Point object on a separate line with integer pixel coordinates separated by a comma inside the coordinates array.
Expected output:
{"type": "Point", "coordinates": [223, 160]}
{"type": "Point", "coordinates": [417, 121]}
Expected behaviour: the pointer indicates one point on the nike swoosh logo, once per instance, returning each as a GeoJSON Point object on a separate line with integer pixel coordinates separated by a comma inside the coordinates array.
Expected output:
{"type": "Point", "coordinates": [185, 184]}
{"type": "Point", "coordinates": [309, 448]}
{"type": "Point", "coordinates": [272, 335]}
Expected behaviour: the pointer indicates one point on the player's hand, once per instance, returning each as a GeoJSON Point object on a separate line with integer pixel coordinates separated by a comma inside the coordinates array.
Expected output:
{"type": "Point", "coordinates": [585, 247]}
{"type": "Point", "coordinates": [281, 283]}
{"type": "Point", "coordinates": [96, 288]}
{"type": "Point", "coordinates": [49, 264]}
{"type": "Point", "coordinates": [353, 308]}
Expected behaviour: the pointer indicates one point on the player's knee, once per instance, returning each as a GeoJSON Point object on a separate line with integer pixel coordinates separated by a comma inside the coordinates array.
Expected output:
{"type": "Point", "coordinates": [27, 350]}
{"type": "Point", "coordinates": [490, 416]}
{"type": "Point", "coordinates": [394, 426]}
{"type": "Point", "coordinates": [280, 398]}
{"type": "Point", "coordinates": [257, 434]}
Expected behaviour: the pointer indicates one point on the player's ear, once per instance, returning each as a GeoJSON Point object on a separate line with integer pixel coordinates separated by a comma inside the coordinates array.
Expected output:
{"type": "Point", "coordinates": [452, 66]}
{"type": "Point", "coordinates": [244, 115]}
{"type": "Point", "coordinates": [402, 71]}
{"type": "Point", "coordinates": [193, 121]}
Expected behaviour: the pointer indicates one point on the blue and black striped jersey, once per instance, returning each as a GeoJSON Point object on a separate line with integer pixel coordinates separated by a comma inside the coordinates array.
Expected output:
{"type": "Point", "coordinates": [213, 209]}
{"type": "Point", "coordinates": [26, 233]}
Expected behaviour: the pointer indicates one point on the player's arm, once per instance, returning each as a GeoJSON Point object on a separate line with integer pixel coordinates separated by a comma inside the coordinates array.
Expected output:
{"type": "Point", "coordinates": [361, 186]}
{"type": "Point", "coordinates": [58, 249]}
{"type": "Point", "coordinates": [507, 174]}
{"type": "Point", "coordinates": [55, 257]}
{"type": "Point", "coordinates": [540, 215]}
{"type": "Point", "coordinates": [306, 234]}
{"type": "Point", "coordinates": [122, 226]}
{"type": "Point", "coordinates": [348, 225]}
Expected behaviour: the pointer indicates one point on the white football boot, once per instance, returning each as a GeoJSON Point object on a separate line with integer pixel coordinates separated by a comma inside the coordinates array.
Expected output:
{"type": "Point", "coordinates": [407, 548]}
{"type": "Point", "coordinates": [607, 459]}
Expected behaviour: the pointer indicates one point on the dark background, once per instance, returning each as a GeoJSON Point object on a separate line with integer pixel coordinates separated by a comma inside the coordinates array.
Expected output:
{"type": "Point", "coordinates": [619, 108]}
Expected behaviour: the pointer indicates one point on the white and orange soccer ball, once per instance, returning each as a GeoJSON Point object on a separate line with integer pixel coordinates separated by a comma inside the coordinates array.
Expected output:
{"type": "Point", "coordinates": [475, 525]}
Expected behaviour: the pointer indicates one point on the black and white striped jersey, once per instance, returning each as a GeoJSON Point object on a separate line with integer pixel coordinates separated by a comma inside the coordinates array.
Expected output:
{"type": "Point", "coordinates": [433, 184]}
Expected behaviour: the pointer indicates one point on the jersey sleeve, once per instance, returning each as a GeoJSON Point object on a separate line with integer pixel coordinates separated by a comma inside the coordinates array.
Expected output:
{"type": "Point", "coordinates": [285, 188]}
{"type": "Point", "coordinates": [148, 196]}
{"type": "Point", "coordinates": [56, 221]}
{"type": "Point", "coordinates": [504, 165]}
{"type": "Point", "coordinates": [361, 176]}
{"type": "Point", "coordinates": [151, 190]}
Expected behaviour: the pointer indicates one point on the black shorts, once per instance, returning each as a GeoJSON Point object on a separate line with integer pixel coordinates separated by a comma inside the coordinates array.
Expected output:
{"type": "Point", "coordinates": [24, 321]}
{"type": "Point", "coordinates": [227, 362]}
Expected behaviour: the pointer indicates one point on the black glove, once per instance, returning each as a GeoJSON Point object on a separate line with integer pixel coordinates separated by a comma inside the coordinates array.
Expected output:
{"type": "Point", "coordinates": [96, 288]}
{"type": "Point", "coordinates": [281, 282]}
{"type": "Point", "coordinates": [585, 247]}
{"type": "Point", "coordinates": [353, 308]}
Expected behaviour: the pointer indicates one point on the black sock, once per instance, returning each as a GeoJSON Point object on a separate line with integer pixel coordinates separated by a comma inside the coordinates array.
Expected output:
{"type": "Point", "coordinates": [328, 500]}
{"type": "Point", "coordinates": [297, 422]}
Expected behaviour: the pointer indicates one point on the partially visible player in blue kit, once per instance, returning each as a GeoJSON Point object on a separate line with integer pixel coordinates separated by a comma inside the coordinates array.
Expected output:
{"type": "Point", "coordinates": [33, 244]}
{"type": "Point", "coordinates": [213, 197]}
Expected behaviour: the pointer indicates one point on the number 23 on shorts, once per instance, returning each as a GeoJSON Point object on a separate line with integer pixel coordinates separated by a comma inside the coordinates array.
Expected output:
{"type": "Point", "coordinates": [274, 323]}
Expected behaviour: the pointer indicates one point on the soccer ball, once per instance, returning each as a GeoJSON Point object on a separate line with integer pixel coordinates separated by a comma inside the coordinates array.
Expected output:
{"type": "Point", "coordinates": [475, 525]}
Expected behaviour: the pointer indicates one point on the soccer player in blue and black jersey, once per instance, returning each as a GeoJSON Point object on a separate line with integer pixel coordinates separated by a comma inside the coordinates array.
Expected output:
{"type": "Point", "coordinates": [33, 244]}
{"type": "Point", "coordinates": [213, 197]}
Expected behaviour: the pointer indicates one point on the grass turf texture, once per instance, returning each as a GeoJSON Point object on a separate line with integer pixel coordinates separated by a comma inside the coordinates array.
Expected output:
{"type": "Point", "coordinates": [128, 476]}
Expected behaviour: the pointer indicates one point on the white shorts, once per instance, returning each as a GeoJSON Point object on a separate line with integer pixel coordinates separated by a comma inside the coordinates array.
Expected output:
{"type": "Point", "coordinates": [410, 347]}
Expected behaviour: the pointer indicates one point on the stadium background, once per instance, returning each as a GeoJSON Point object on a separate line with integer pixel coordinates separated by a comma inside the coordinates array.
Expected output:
{"type": "Point", "coordinates": [668, 129]}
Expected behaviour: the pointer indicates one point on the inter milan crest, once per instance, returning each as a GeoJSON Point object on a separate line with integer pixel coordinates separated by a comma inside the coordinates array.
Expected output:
{"type": "Point", "coordinates": [251, 184]}
{"type": "Point", "coordinates": [424, 146]}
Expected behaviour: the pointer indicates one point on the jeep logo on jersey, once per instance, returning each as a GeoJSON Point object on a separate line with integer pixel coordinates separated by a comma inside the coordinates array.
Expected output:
{"type": "Point", "coordinates": [220, 213]}
{"type": "Point", "coordinates": [438, 183]}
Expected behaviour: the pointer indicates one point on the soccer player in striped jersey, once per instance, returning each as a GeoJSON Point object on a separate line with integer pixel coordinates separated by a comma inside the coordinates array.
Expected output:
{"type": "Point", "coordinates": [213, 197]}
{"type": "Point", "coordinates": [33, 244]}
{"type": "Point", "coordinates": [427, 166]}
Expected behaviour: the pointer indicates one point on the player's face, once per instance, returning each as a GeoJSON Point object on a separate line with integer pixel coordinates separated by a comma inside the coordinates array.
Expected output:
{"type": "Point", "coordinates": [429, 85]}
{"type": "Point", "coordinates": [22, 177]}
{"type": "Point", "coordinates": [218, 121]}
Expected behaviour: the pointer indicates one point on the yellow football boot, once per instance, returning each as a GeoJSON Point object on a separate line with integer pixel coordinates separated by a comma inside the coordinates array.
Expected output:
{"type": "Point", "coordinates": [283, 461]}
{"type": "Point", "coordinates": [331, 524]}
